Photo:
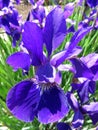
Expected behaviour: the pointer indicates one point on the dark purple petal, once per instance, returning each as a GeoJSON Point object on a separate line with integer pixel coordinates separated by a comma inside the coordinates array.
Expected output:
{"type": "Point", "coordinates": [94, 118]}
{"type": "Point", "coordinates": [63, 126]}
{"type": "Point", "coordinates": [46, 72]}
{"type": "Point", "coordinates": [60, 57]}
{"type": "Point", "coordinates": [81, 69]}
{"type": "Point", "coordinates": [33, 41]}
{"type": "Point", "coordinates": [54, 30]}
{"type": "Point", "coordinates": [23, 99]}
{"type": "Point", "coordinates": [19, 60]}
{"type": "Point", "coordinates": [52, 106]}
{"type": "Point", "coordinates": [92, 3]}
{"type": "Point", "coordinates": [4, 3]}
{"type": "Point", "coordinates": [84, 89]}
{"type": "Point", "coordinates": [77, 119]}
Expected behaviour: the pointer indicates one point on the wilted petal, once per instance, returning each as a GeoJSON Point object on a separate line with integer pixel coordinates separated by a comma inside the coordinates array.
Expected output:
{"type": "Point", "coordinates": [23, 99]}
{"type": "Point", "coordinates": [52, 106]}
{"type": "Point", "coordinates": [54, 30]}
{"type": "Point", "coordinates": [77, 119]}
{"type": "Point", "coordinates": [81, 69]}
{"type": "Point", "coordinates": [33, 41]}
{"type": "Point", "coordinates": [19, 60]}
{"type": "Point", "coordinates": [63, 126]}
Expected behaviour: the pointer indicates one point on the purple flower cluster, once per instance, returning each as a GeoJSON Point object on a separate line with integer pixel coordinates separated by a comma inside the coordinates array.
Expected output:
{"type": "Point", "coordinates": [41, 96]}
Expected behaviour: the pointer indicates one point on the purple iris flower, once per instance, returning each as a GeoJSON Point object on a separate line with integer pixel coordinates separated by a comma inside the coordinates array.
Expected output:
{"type": "Point", "coordinates": [80, 110]}
{"type": "Point", "coordinates": [86, 73]}
{"type": "Point", "coordinates": [37, 12]}
{"type": "Point", "coordinates": [9, 20]}
{"type": "Point", "coordinates": [41, 96]}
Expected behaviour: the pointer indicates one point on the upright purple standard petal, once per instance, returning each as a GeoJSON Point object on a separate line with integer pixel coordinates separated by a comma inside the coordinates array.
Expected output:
{"type": "Point", "coordinates": [19, 60]}
{"type": "Point", "coordinates": [55, 29]}
{"type": "Point", "coordinates": [52, 106]}
{"type": "Point", "coordinates": [33, 41]}
{"type": "Point", "coordinates": [23, 99]}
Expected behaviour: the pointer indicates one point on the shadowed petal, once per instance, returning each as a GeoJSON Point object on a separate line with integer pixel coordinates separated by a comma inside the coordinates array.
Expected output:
{"type": "Point", "coordinates": [55, 29]}
{"type": "Point", "coordinates": [33, 41]}
{"type": "Point", "coordinates": [81, 69]}
{"type": "Point", "coordinates": [63, 126]}
{"type": "Point", "coordinates": [19, 60]}
{"type": "Point", "coordinates": [77, 119]}
{"type": "Point", "coordinates": [52, 106]}
{"type": "Point", "coordinates": [46, 72]}
{"type": "Point", "coordinates": [22, 100]}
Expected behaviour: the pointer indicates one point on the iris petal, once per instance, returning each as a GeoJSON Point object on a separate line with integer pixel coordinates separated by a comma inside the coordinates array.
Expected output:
{"type": "Point", "coordinates": [55, 29]}
{"type": "Point", "coordinates": [19, 60]}
{"type": "Point", "coordinates": [52, 106]}
{"type": "Point", "coordinates": [33, 44]}
{"type": "Point", "coordinates": [22, 100]}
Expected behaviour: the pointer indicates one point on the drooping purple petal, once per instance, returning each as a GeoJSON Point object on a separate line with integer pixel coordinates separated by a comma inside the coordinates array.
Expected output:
{"type": "Point", "coordinates": [78, 119]}
{"type": "Point", "coordinates": [52, 106]}
{"type": "Point", "coordinates": [33, 41]}
{"type": "Point", "coordinates": [63, 126]}
{"type": "Point", "coordinates": [22, 100]}
{"type": "Point", "coordinates": [19, 60]}
{"type": "Point", "coordinates": [60, 57]}
{"type": "Point", "coordinates": [54, 30]}
{"type": "Point", "coordinates": [81, 69]}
